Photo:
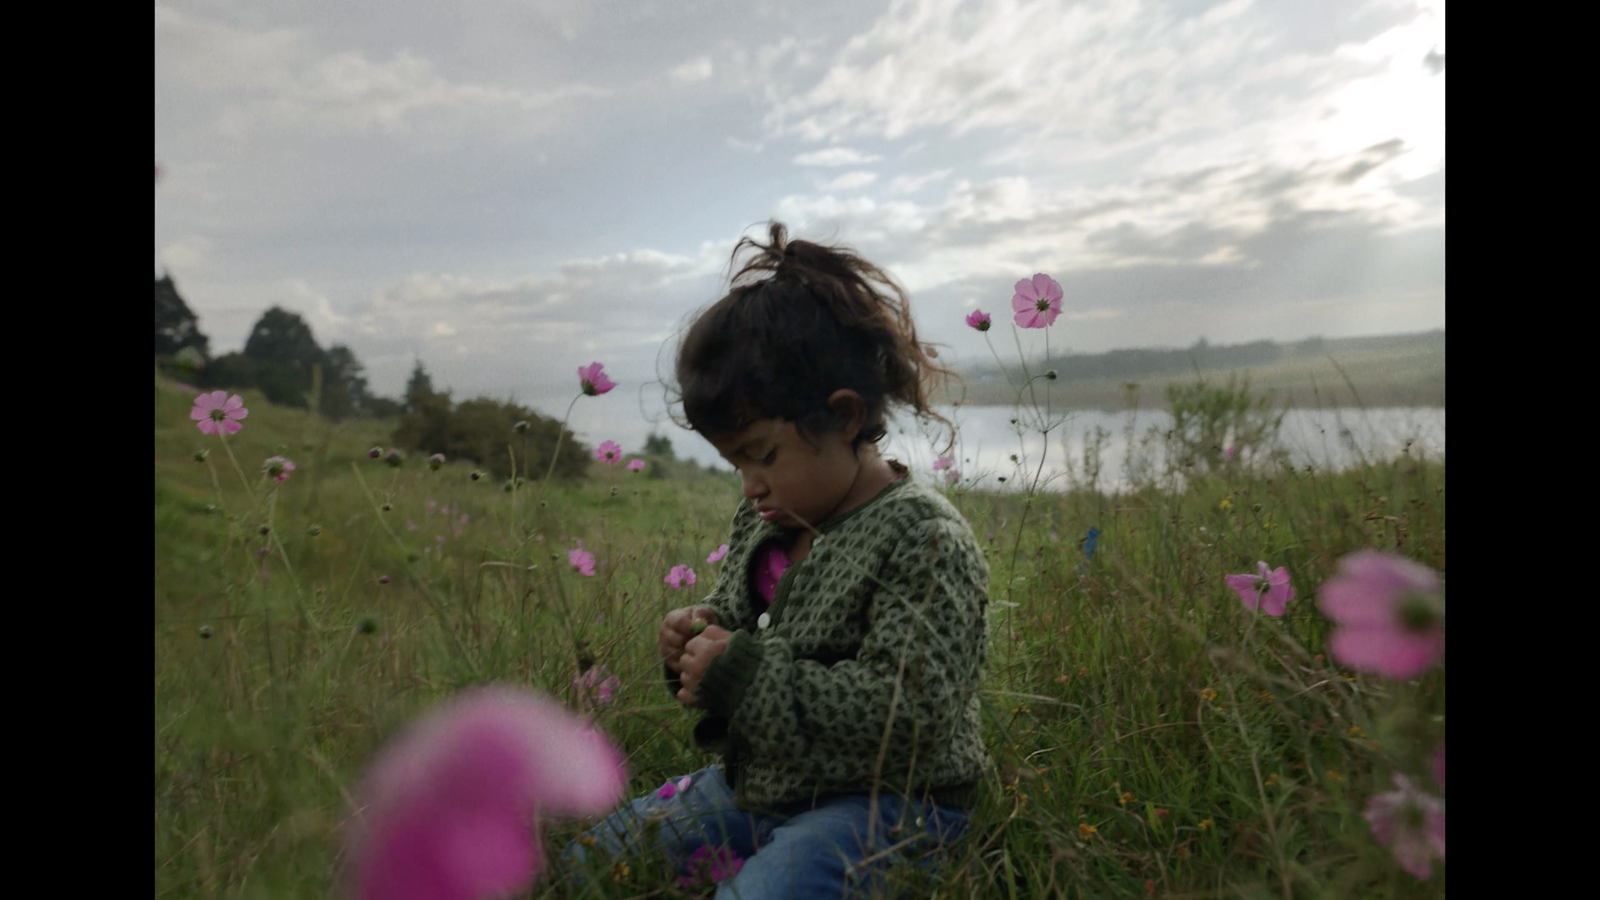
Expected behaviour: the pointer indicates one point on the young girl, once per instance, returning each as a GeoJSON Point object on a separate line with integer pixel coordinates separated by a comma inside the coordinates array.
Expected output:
{"type": "Point", "coordinates": [838, 657]}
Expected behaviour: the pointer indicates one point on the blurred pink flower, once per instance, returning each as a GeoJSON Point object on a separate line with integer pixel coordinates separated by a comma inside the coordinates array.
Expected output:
{"type": "Point", "coordinates": [951, 476]}
{"type": "Point", "coordinates": [717, 554]}
{"type": "Point", "coordinates": [978, 319]}
{"type": "Point", "coordinates": [1411, 824]}
{"type": "Point", "coordinates": [432, 505]}
{"type": "Point", "coordinates": [608, 452]}
{"type": "Point", "coordinates": [1267, 590]}
{"type": "Point", "coordinates": [1037, 302]}
{"type": "Point", "coordinates": [593, 380]}
{"type": "Point", "coordinates": [1229, 452]}
{"type": "Point", "coordinates": [278, 468]}
{"type": "Point", "coordinates": [1389, 613]}
{"type": "Point", "coordinates": [218, 413]}
{"type": "Point", "coordinates": [412, 526]}
{"type": "Point", "coordinates": [596, 686]}
{"type": "Point", "coordinates": [436, 461]}
{"type": "Point", "coordinates": [581, 559]}
{"type": "Point", "coordinates": [943, 462]}
{"type": "Point", "coordinates": [711, 865]}
{"type": "Point", "coordinates": [669, 790]}
{"type": "Point", "coordinates": [439, 538]}
{"type": "Point", "coordinates": [680, 577]}
{"type": "Point", "coordinates": [636, 465]}
{"type": "Point", "coordinates": [449, 802]}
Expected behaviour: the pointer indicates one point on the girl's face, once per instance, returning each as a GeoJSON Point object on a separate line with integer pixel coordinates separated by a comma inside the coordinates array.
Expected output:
{"type": "Point", "coordinates": [791, 481]}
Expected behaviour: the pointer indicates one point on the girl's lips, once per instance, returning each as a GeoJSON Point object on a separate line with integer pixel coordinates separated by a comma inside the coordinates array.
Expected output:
{"type": "Point", "coordinates": [767, 515]}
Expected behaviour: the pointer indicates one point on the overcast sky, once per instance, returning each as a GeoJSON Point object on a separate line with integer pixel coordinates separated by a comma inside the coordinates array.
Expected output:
{"type": "Point", "coordinates": [509, 190]}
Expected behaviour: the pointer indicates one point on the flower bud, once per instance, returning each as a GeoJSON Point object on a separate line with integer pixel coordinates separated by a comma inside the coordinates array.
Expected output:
{"type": "Point", "coordinates": [209, 508]}
{"type": "Point", "coordinates": [1050, 375]}
{"type": "Point", "coordinates": [510, 485]}
{"type": "Point", "coordinates": [395, 458]}
{"type": "Point", "coordinates": [436, 461]}
{"type": "Point", "coordinates": [314, 530]}
{"type": "Point", "coordinates": [476, 475]}
{"type": "Point", "coordinates": [366, 625]}
{"type": "Point", "coordinates": [205, 632]}
{"type": "Point", "coordinates": [388, 507]}
{"type": "Point", "coordinates": [265, 529]}
{"type": "Point", "coordinates": [521, 427]}
{"type": "Point", "coordinates": [202, 455]}
{"type": "Point", "coordinates": [383, 580]}
{"type": "Point", "coordinates": [375, 452]}
{"type": "Point", "coordinates": [413, 556]}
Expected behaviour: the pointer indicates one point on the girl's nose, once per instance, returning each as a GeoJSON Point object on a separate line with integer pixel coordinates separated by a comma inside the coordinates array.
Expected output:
{"type": "Point", "coordinates": [752, 487]}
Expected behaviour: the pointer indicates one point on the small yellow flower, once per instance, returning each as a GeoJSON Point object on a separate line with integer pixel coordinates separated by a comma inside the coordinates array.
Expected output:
{"type": "Point", "coordinates": [588, 840]}
{"type": "Point", "coordinates": [1273, 780]}
{"type": "Point", "coordinates": [1356, 732]}
{"type": "Point", "coordinates": [1126, 798]}
{"type": "Point", "coordinates": [1266, 695]}
{"type": "Point", "coordinates": [1183, 851]}
{"type": "Point", "coordinates": [1334, 776]}
{"type": "Point", "coordinates": [1086, 831]}
{"type": "Point", "coordinates": [1225, 504]}
{"type": "Point", "coordinates": [1205, 824]}
{"type": "Point", "coordinates": [620, 871]}
{"type": "Point", "coordinates": [1208, 694]}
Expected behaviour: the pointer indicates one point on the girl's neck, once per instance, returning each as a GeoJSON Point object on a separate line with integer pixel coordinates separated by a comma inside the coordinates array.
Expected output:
{"type": "Point", "coordinates": [872, 477]}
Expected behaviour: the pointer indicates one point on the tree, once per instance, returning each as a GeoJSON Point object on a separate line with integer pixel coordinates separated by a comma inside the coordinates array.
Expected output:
{"type": "Point", "coordinates": [419, 387]}
{"type": "Point", "coordinates": [177, 328]}
{"type": "Point", "coordinates": [283, 352]}
{"type": "Point", "coordinates": [657, 445]}
{"type": "Point", "coordinates": [485, 432]}
{"type": "Point", "coordinates": [344, 384]}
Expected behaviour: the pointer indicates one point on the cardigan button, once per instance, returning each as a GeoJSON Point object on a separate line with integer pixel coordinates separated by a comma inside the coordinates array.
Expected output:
{"type": "Point", "coordinates": [764, 620]}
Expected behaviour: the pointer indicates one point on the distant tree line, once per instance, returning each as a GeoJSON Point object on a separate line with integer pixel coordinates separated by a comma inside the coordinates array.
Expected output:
{"type": "Point", "coordinates": [282, 359]}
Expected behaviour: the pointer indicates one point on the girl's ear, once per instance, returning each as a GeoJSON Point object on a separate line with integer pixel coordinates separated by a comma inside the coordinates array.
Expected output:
{"type": "Point", "coordinates": [850, 412]}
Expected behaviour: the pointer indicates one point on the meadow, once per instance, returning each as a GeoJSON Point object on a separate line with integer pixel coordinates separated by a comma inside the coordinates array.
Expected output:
{"type": "Point", "coordinates": [1152, 736]}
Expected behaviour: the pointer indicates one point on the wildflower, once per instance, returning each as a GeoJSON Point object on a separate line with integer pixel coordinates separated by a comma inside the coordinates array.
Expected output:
{"type": "Point", "coordinates": [608, 452]}
{"type": "Point", "coordinates": [383, 579]}
{"type": "Point", "coordinates": [1273, 780]}
{"type": "Point", "coordinates": [436, 461]}
{"type": "Point", "coordinates": [1225, 504]}
{"type": "Point", "coordinates": [581, 559]}
{"type": "Point", "coordinates": [375, 452]}
{"type": "Point", "coordinates": [314, 530]}
{"type": "Point", "coordinates": [943, 462]}
{"type": "Point", "coordinates": [680, 577]}
{"type": "Point", "coordinates": [1208, 694]}
{"type": "Point", "coordinates": [521, 427]}
{"type": "Point", "coordinates": [711, 865]}
{"type": "Point", "coordinates": [217, 413]}
{"type": "Point", "coordinates": [718, 554]}
{"type": "Point", "coordinates": [952, 476]}
{"type": "Point", "coordinates": [1334, 776]}
{"type": "Point", "coordinates": [448, 804]}
{"type": "Point", "coordinates": [1205, 824]}
{"type": "Point", "coordinates": [1126, 798]}
{"type": "Point", "coordinates": [620, 871]}
{"type": "Point", "coordinates": [1161, 813]}
{"type": "Point", "coordinates": [202, 455]}
{"type": "Point", "coordinates": [476, 475]}
{"type": "Point", "coordinates": [635, 465]}
{"type": "Point", "coordinates": [596, 685]}
{"type": "Point", "coordinates": [1356, 732]}
{"type": "Point", "coordinates": [1268, 589]}
{"type": "Point", "coordinates": [1090, 541]}
{"type": "Point", "coordinates": [1037, 301]}
{"type": "Point", "coordinates": [1411, 824]}
{"type": "Point", "coordinates": [978, 319]}
{"type": "Point", "coordinates": [594, 380]}
{"type": "Point", "coordinates": [1228, 453]}
{"type": "Point", "coordinates": [394, 459]}
{"type": "Point", "coordinates": [205, 632]}
{"type": "Point", "coordinates": [672, 789]}
{"type": "Point", "coordinates": [1086, 831]}
{"type": "Point", "coordinates": [412, 526]}
{"type": "Point", "coordinates": [1389, 613]}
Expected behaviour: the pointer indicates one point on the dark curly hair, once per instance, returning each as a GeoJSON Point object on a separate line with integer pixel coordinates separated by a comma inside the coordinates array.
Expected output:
{"type": "Point", "coordinates": [799, 322]}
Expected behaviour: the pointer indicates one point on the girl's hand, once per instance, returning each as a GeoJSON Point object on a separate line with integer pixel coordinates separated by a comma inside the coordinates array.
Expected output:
{"type": "Point", "coordinates": [677, 628]}
{"type": "Point", "coordinates": [697, 657]}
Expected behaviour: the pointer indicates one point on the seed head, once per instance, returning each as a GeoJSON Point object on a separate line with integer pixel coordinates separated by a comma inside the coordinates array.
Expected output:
{"type": "Point", "coordinates": [202, 455]}
{"type": "Point", "coordinates": [205, 632]}
{"type": "Point", "coordinates": [375, 452]}
{"type": "Point", "coordinates": [395, 458]}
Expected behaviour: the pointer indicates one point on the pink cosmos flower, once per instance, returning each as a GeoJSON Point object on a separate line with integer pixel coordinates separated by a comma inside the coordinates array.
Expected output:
{"type": "Point", "coordinates": [436, 461]}
{"type": "Point", "coordinates": [1389, 613]}
{"type": "Point", "coordinates": [451, 804]}
{"type": "Point", "coordinates": [635, 465]}
{"type": "Point", "coordinates": [1037, 302]}
{"type": "Point", "coordinates": [594, 380]}
{"type": "Point", "coordinates": [412, 526]}
{"type": "Point", "coordinates": [1229, 453]}
{"type": "Point", "coordinates": [669, 790]}
{"type": "Point", "coordinates": [717, 554]}
{"type": "Point", "coordinates": [1411, 824]}
{"type": "Point", "coordinates": [581, 559]}
{"type": "Point", "coordinates": [711, 865]}
{"type": "Point", "coordinates": [680, 577]}
{"type": "Point", "coordinates": [1267, 590]}
{"type": "Point", "coordinates": [608, 452]}
{"type": "Point", "coordinates": [951, 476]}
{"type": "Point", "coordinates": [218, 413]}
{"type": "Point", "coordinates": [278, 468]}
{"type": "Point", "coordinates": [943, 462]}
{"type": "Point", "coordinates": [596, 686]}
{"type": "Point", "coordinates": [978, 319]}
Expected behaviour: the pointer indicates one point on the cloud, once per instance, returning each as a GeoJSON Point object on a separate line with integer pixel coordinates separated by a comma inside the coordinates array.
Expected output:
{"type": "Point", "coordinates": [835, 156]}
{"type": "Point", "coordinates": [697, 69]}
{"type": "Point", "coordinates": [849, 181]}
{"type": "Point", "coordinates": [187, 255]}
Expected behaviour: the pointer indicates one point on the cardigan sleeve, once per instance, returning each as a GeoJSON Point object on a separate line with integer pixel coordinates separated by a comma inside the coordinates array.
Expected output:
{"type": "Point", "coordinates": [920, 661]}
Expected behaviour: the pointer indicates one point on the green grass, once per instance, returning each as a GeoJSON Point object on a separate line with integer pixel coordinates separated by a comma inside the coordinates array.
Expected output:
{"type": "Point", "coordinates": [1098, 700]}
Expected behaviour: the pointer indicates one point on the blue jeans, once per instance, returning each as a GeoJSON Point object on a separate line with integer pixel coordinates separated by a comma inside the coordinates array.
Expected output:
{"type": "Point", "coordinates": [799, 851]}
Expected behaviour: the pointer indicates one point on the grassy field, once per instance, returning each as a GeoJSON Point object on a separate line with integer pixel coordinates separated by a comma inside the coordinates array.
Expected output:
{"type": "Point", "coordinates": [1400, 371]}
{"type": "Point", "coordinates": [1152, 737]}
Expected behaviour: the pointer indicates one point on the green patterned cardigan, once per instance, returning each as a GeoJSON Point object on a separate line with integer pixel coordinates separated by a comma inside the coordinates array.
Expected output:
{"type": "Point", "coordinates": [881, 627]}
